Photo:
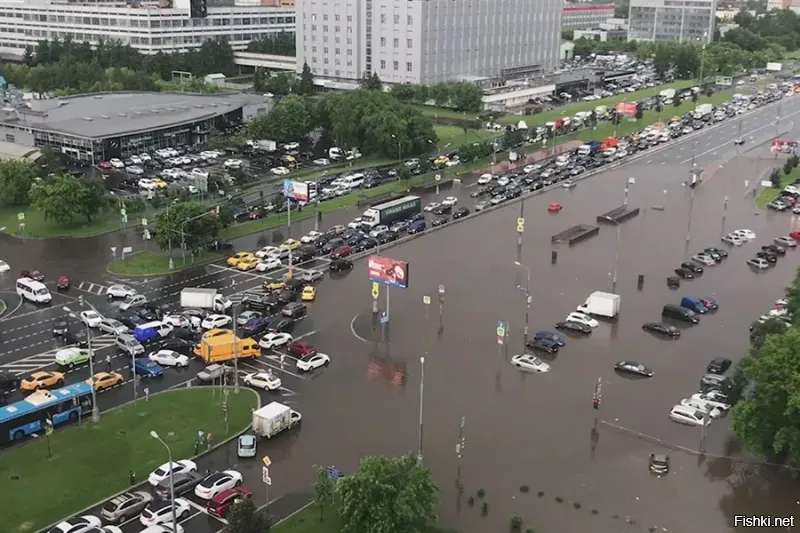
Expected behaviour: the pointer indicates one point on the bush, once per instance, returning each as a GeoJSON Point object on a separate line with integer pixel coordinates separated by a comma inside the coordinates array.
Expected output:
{"type": "Point", "coordinates": [481, 493]}
{"type": "Point", "coordinates": [516, 523]}
{"type": "Point", "coordinates": [775, 178]}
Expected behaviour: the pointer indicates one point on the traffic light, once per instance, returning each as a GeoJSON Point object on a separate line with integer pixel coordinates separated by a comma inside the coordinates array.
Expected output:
{"type": "Point", "coordinates": [198, 9]}
{"type": "Point", "coordinates": [596, 403]}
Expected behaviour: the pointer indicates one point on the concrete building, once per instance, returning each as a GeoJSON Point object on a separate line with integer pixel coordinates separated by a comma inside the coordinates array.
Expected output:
{"type": "Point", "coordinates": [671, 20]}
{"type": "Point", "coordinates": [98, 127]}
{"type": "Point", "coordinates": [600, 34]}
{"type": "Point", "coordinates": [585, 17]}
{"type": "Point", "coordinates": [794, 5]}
{"type": "Point", "coordinates": [147, 28]}
{"type": "Point", "coordinates": [427, 41]}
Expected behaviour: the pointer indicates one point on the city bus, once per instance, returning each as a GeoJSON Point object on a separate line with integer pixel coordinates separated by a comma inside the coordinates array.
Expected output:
{"type": "Point", "coordinates": [29, 416]}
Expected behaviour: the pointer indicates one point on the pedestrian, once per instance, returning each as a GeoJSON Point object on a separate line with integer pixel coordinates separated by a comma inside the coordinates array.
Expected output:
{"type": "Point", "coordinates": [132, 478]}
{"type": "Point", "coordinates": [197, 447]}
{"type": "Point", "coordinates": [108, 363]}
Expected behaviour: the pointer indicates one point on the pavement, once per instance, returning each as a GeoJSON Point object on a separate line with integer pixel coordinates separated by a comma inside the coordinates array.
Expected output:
{"type": "Point", "coordinates": [367, 401]}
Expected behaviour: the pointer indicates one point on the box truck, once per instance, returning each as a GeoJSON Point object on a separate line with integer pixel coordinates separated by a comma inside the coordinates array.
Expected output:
{"type": "Point", "coordinates": [273, 418]}
{"type": "Point", "coordinates": [226, 347]}
{"type": "Point", "coordinates": [602, 304]}
{"type": "Point", "coordinates": [204, 299]}
{"type": "Point", "coordinates": [703, 111]}
{"type": "Point", "coordinates": [390, 212]}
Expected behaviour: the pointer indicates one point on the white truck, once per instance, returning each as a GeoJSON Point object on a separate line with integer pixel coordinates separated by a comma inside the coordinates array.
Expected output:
{"type": "Point", "coordinates": [267, 146]}
{"type": "Point", "coordinates": [702, 111]}
{"type": "Point", "coordinates": [273, 418]}
{"type": "Point", "coordinates": [600, 303]}
{"type": "Point", "coordinates": [204, 299]}
{"type": "Point", "coordinates": [667, 94]}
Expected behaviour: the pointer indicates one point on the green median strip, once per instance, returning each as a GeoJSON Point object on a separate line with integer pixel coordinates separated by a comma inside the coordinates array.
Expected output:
{"type": "Point", "coordinates": [90, 462]}
{"type": "Point", "coordinates": [769, 194]}
{"type": "Point", "coordinates": [310, 520]}
{"type": "Point", "coordinates": [149, 263]}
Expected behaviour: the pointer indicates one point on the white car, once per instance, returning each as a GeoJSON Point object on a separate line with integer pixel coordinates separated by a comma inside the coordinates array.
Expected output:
{"type": "Point", "coordinates": [485, 179]}
{"type": "Point", "coordinates": [704, 260]}
{"type": "Point", "coordinates": [703, 406]}
{"type": "Point", "coordinates": [528, 169]}
{"type": "Point", "coordinates": [91, 318]}
{"type": "Point", "coordinates": [503, 181]}
{"type": "Point", "coordinates": [178, 467]}
{"type": "Point", "coordinates": [233, 163]}
{"type": "Point", "coordinates": [268, 263]}
{"type": "Point", "coordinates": [163, 528]}
{"type": "Point", "coordinates": [307, 364]}
{"type": "Point", "coordinates": [712, 398]}
{"type": "Point", "coordinates": [582, 318]}
{"type": "Point", "coordinates": [378, 230]}
{"type": "Point", "coordinates": [136, 160]}
{"type": "Point", "coordinates": [777, 313]}
{"type": "Point", "coordinates": [216, 321]}
{"type": "Point", "coordinates": [758, 263]}
{"type": "Point", "coordinates": [147, 184]}
{"type": "Point", "coordinates": [80, 524]}
{"type": "Point", "coordinates": [321, 162]}
{"type": "Point", "coordinates": [310, 237]}
{"type": "Point", "coordinates": [134, 300]}
{"type": "Point", "coordinates": [785, 241]}
{"type": "Point", "coordinates": [273, 340]}
{"type": "Point", "coordinates": [4, 267]}
{"type": "Point", "coordinates": [431, 206]}
{"type": "Point", "coordinates": [199, 173]}
{"type": "Point", "coordinates": [169, 358]}
{"type": "Point", "coordinates": [744, 234]}
{"type": "Point", "coordinates": [450, 200]}
{"type": "Point", "coordinates": [176, 321]}
{"type": "Point", "coordinates": [263, 380]}
{"type": "Point", "coordinates": [216, 483]}
{"type": "Point", "coordinates": [782, 301]}
{"type": "Point", "coordinates": [530, 362]}
{"type": "Point", "coordinates": [246, 447]}
{"type": "Point", "coordinates": [688, 416]}
{"type": "Point", "coordinates": [355, 223]}
{"type": "Point", "coordinates": [161, 512]}
{"type": "Point", "coordinates": [119, 291]}
{"type": "Point", "coordinates": [115, 327]}
{"type": "Point", "coordinates": [117, 163]}
{"type": "Point", "coordinates": [268, 251]}
{"type": "Point", "coordinates": [136, 171]}
{"type": "Point", "coordinates": [279, 171]}
{"type": "Point", "coordinates": [732, 239]}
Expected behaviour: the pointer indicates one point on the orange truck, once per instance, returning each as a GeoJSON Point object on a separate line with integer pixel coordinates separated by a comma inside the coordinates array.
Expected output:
{"type": "Point", "coordinates": [226, 347]}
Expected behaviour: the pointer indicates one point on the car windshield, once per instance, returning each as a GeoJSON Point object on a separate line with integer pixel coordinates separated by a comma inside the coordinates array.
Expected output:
{"type": "Point", "coordinates": [151, 364]}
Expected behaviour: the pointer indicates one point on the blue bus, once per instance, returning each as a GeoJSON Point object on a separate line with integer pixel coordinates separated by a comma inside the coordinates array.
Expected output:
{"type": "Point", "coordinates": [29, 416]}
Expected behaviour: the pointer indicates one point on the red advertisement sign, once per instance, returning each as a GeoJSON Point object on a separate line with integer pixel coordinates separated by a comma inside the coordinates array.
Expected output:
{"type": "Point", "coordinates": [387, 271]}
{"type": "Point", "coordinates": [626, 108]}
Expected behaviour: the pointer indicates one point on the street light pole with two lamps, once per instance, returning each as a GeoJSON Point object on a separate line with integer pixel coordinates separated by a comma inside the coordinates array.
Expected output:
{"type": "Point", "coordinates": [95, 408]}
{"type": "Point", "coordinates": [171, 482]}
{"type": "Point", "coordinates": [527, 290]}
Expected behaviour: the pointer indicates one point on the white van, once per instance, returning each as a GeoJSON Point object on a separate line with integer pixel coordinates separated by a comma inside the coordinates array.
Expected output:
{"type": "Point", "coordinates": [335, 153]}
{"type": "Point", "coordinates": [352, 181]}
{"type": "Point", "coordinates": [33, 291]}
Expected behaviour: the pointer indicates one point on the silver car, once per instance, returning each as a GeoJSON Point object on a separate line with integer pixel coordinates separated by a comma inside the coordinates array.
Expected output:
{"type": "Point", "coordinates": [312, 276]}
{"type": "Point", "coordinates": [480, 206]}
{"type": "Point", "coordinates": [759, 263]}
{"type": "Point", "coordinates": [733, 239]}
{"type": "Point", "coordinates": [246, 446]}
{"type": "Point", "coordinates": [115, 327]}
{"type": "Point", "coordinates": [126, 505]}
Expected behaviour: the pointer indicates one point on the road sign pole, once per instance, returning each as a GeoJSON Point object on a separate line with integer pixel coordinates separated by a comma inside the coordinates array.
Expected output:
{"type": "Point", "coordinates": [426, 300]}
{"type": "Point", "coordinates": [441, 308]}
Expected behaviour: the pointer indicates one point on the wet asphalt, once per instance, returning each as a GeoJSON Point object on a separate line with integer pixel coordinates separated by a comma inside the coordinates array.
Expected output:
{"type": "Point", "coordinates": [534, 430]}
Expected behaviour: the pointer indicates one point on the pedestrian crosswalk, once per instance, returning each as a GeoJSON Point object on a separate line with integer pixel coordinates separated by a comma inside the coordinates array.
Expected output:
{"type": "Point", "coordinates": [92, 288]}
{"type": "Point", "coordinates": [42, 360]}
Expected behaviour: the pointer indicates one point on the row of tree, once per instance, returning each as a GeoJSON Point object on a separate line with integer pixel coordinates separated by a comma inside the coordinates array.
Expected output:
{"type": "Point", "coordinates": [283, 83]}
{"type": "Point", "coordinates": [461, 96]}
{"type": "Point", "coordinates": [281, 44]}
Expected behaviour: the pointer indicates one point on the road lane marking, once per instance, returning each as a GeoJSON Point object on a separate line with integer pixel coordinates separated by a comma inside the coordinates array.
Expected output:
{"type": "Point", "coordinates": [270, 366]}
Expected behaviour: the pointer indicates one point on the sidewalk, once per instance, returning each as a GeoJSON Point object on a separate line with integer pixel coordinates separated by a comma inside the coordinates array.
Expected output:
{"type": "Point", "coordinates": [282, 508]}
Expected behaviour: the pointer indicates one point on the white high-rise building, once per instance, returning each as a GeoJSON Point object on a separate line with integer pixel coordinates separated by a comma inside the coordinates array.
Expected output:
{"type": "Point", "coordinates": [672, 20]}
{"type": "Point", "coordinates": [428, 41]}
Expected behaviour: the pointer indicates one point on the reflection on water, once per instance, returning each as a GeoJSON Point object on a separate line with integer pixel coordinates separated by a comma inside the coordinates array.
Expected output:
{"type": "Point", "coordinates": [383, 368]}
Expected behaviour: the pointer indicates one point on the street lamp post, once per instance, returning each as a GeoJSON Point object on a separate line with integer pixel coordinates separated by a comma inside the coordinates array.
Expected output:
{"type": "Point", "coordinates": [95, 407]}
{"type": "Point", "coordinates": [236, 344]}
{"type": "Point", "coordinates": [628, 182]}
{"type": "Point", "coordinates": [426, 300]}
{"type": "Point", "coordinates": [703, 57]}
{"type": "Point", "coordinates": [527, 302]}
{"type": "Point", "coordinates": [171, 481]}
{"type": "Point", "coordinates": [399, 148]}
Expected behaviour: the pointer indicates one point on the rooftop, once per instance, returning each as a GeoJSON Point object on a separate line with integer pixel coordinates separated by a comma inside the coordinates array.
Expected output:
{"type": "Point", "coordinates": [117, 114]}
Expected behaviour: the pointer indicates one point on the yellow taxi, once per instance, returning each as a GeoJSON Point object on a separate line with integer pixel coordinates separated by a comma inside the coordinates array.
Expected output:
{"type": "Point", "coordinates": [273, 284]}
{"type": "Point", "coordinates": [308, 294]}
{"type": "Point", "coordinates": [104, 380]}
{"type": "Point", "coordinates": [248, 263]}
{"type": "Point", "coordinates": [42, 380]}
{"type": "Point", "coordinates": [158, 182]}
{"type": "Point", "coordinates": [291, 244]}
{"type": "Point", "coordinates": [441, 160]}
{"type": "Point", "coordinates": [234, 260]}
{"type": "Point", "coordinates": [216, 332]}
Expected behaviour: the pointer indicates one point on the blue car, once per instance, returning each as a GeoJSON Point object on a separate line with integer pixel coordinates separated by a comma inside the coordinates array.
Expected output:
{"type": "Point", "coordinates": [550, 336]}
{"type": "Point", "coordinates": [710, 303]}
{"type": "Point", "coordinates": [255, 326]}
{"type": "Point", "coordinates": [147, 368]}
{"type": "Point", "coordinates": [417, 227]}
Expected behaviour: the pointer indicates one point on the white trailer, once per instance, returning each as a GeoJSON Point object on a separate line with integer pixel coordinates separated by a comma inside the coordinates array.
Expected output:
{"type": "Point", "coordinates": [273, 418]}
{"type": "Point", "coordinates": [197, 298]}
{"type": "Point", "coordinates": [600, 303]}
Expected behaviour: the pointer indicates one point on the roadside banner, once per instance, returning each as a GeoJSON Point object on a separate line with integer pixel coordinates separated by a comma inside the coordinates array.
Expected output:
{"type": "Point", "coordinates": [626, 108]}
{"type": "Point", "coordinates": [296, 190]}
{"type": "Point", "coordinates": [388, 271]}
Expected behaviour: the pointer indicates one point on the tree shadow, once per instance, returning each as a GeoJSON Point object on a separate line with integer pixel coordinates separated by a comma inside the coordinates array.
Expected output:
{"type": "Point", "coordinates": [757, 490]}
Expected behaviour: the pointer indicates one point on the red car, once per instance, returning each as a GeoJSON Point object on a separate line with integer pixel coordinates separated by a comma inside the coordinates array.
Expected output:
{"type": "Point", "coordinates": [795, 235]}
{"type": "Point", "coordinates": [63, 283]}
{"type": "Point", "coordinates": [32, 274]}
{"type": "Point", "coordinates": [341, 252]}
{"type": "Point", "coordinates": [301, 349]}
{"type": "Point", "coordinates": [104, 164]}
{"type": "Point", "coordinates": [220, 504]}
{"type": "Point", "coordinates": [555, 207]}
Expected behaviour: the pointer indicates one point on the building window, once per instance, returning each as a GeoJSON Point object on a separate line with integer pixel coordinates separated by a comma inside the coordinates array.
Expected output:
{"type": "Point", "coordinates": [395, 65]}
{"type": "Point", "coordinates": [325, 28]}
{"type": "Point", "coordinates": [325, 50]}
{"type": "Point", "coordinates": [336, 40]}
{"type": "Point", "coordinates": [313, 49]}
{"type": "Point", "coordinates": [336, 29]}
{"type": "Point", "coordinates": [409, 43]}
{"type": "Point", "coordinates": [313, 27]}
{"type": "Point", "coordinates": [397, 19]}
{"type": "Point", "coordinates": [349, 18]}
{"type": "Point", "coordinates": [313, 59]}
{"type": "Point", "coordinates": [10, 138]}
{"type": "Point", "coordinates": [349, 51]}
{"type": "Point", "coordinates": [349, 62]}
{"type": "Point", "coordinates": [349, 40]}
{"type": "Point", "coordinates": [337, 51]}
{"type": "Point", "coordinates": [325, 60]}
{"type": "Point", "coordinates": [383, 41]}
{"type": "Point", "coordinates": [336, 61]}
{"type": "Point", "coordinates": [383, 64]}
{"type": "Point", "coordinates": [325, 17]}
{"type": "Point", "coordinates": [409, 20]}
{"type": "Point", "coordinates": [396, 42]}
{"type": "Point", "coordinates": [409, 67]}
{"type": "Point", "coordinates": [383, 18]}
{"type": "Point", "coordinates": [336, 18]}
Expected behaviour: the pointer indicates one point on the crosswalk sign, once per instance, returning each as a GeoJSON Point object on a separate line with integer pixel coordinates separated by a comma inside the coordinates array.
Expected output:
{"type": "Point", "coordinates": [48, 426]}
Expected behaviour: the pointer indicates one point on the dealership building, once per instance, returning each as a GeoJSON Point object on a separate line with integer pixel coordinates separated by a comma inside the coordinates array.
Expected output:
{"type": "Point", "coordinates": [98, 127]}
{"type": "Point", "coordinates": [585, 16]}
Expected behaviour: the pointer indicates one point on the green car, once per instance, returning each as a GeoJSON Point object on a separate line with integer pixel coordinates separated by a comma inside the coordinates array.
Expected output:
{"type": "Point", "coordinates": [70, 357]}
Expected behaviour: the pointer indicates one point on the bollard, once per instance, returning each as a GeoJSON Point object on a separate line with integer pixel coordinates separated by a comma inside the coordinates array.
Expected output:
{"type": "Point", "coordinates": [640, 282]}
{"type": "Point", "coordinates": [553, 257]}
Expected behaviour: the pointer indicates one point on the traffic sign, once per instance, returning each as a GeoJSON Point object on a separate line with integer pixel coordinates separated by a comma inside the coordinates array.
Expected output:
{"type": "Point", "coordinates": [123, 212]}
{"type": "Point", "coordinates": [501, 332]}
{"type": "Point", "coordinates": [520, 225]}
{"type": "Point", "coordinates": [22, 226]}
{"type": "Point", "coordinates": [438, 177]}
{"type": "Point", "coordinates": [124, 219]}
{"type": "Point", "coordinates": [267, 461]}
{"type": "Point", "coordinates": [441, 288]}
{"type": "Point", "coordinates": [20, 216]}
{"type": "Point", "coordinates": [376, 290]}
{"type": "Point", "coordinates": [144, 222]}
{"type": "Point", "coordinates": [426, 300]}
{"type": "Point", "coordinates": [265, 476]}
{"type": "Point", "coordinates": [384, 319]}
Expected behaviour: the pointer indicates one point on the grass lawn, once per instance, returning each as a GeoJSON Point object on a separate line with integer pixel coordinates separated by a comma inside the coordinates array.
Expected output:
{"type": "Point", "coordinates": [455, 136]}
{"type": "Point", "coordinates": [91, 462]}
{"type": "Point", "coordinates": [39, 228]}
{"type": "Point", "coordinates": [147, 263]}
{"type": "Point", "coordinates": [308, 521]}
{"type": "Point", "coordinates": [768, 194]}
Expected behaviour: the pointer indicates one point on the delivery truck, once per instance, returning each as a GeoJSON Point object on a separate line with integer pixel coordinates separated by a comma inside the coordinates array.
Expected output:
{"type": "Point", "coordinates": [225, 346]}
{"type": "Point", "coordinates": [204, 299]}
{"type": "Point", "coordinates": [273, 418]}
{"type": "Point", "coordinates": [604, 304]}
{"type": "Point", "coordinates": [703, 111]}
{"type": "Point", "coordinates": [389, 212]}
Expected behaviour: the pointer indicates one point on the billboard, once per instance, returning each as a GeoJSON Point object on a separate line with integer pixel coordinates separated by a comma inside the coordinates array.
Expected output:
{"type": "Point", "coordinates": [387, 271]}
{"type": "Point", "coordinates": [774, 67]}
{"type": "Point", "coordinates": [626, 108]}
{"type": "Point", "coordinates": [296, 190]}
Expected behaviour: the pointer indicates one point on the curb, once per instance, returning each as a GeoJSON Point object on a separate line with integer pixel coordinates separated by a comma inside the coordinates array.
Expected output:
{"type": "Point", "coordinates": [142, 484]}
{"type": "Point", "coordinates": [3, 307]}
{"type": "Point", "coordinates": [159, 274]}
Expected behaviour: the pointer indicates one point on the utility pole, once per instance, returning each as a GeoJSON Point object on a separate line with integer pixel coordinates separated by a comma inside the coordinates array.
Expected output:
{"type": "Point", "coordinates": [527, 290]}
{"type": "Point", "coordinates": [460, 444]}
{"type": "Point", "coordinates": [695, 181]}
{"type": "Point", "coordinates": [426, 301]}
{"type": "Point", "coordinates": [441, 308]}
{"type": "Point", "coordinates": [628, 182]}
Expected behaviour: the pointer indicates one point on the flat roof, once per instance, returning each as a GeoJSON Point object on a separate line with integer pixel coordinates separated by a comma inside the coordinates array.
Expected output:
{"type": "Point", "coordinates": [19, 152]}
{"type": "Point", "coordinates": [117, 114]}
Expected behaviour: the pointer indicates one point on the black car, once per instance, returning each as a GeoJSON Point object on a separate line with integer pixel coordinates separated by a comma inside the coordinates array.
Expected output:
{"type": "Point", "coordinates": [355, 239]}
{"type": "Point", "coordinates": [684, 273]}
{"type": "Point", "coordinates": [183, 346]}
{"type": "Point", "coordinates": [774, 249]}
{"type": "Point", "coordinates": [660, 328]}
{"type": "Point", "coordinates": [719, 365]}
{"type": "Point", "coordinates": [220, 246]}
{"type": "Point", "coordinates": [696, 269]}
{"type": "Point", "coordinates": [260, 302]}
{"type": "Point", "coordinates": [440, 220]}
{"type": "Point", "coordinates": [303, 254]}
{"type": "Point", "coordinates": [543, 345]}
{"type": "Point", "coordinates": [340, 265]}
{"type": "Point", "coordinates": [478, 193]}
{"type": "Point", "coordinates": [183, 483]}
{"type": "Point", "coordinates": [716, 253]}
{"type": "Point", "coordinates": [365, 244]}
{"type": "Point", "coordinates": [715, 382]}
{"type": "Point", "coordinates": [294, 310]}
{"type": "Point", "coordinates": [130, 320]}
{"type": "Point", "coordinates": [8, 382]}
{"type": "Point", "coordinates": [461, 212]}
{"type": "Point", "coordinates": [332, 244]}
{"type": "Point", "coordinates": [632, 367]}
{"type": "Point", "coordinates": [286, 295]}
{"type": "Point", "coordinates": [767, 256]}
{"type": "Point", "coordinates": [60, 327]}
{"type": "Point", "coordinates": [513, 192]}
{"type": "Point", "coordinates": [294, 284]}
{"type": "Point", "coordinates": [659, 463]}
{"type": "Point", "coordinates": [148, 315]}
{"type": "Point", "coordinates": [442, 210]}
{"type": "Point", "coordinates": [413, 218]}
{"type": "Point", "coordinates": [570, 326]}
{"type": "Point", "coordinates": [281, 325]}
{"type": "Point", "coordinates": [387, 237]}
{"type": "Point", "coordinates": [76, 337]}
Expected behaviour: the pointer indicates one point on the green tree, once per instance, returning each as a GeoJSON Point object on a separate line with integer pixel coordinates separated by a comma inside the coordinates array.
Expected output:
{"type": "Point", "coordinates": [16, 179]}
{"type": "Point", "coordinates": [404, 92]}
{"type": "Point", "coordinates": [787, 169]}
{"type": "Point", "coordinates": [567, 35]}
{"type": "Point", "coordinates": [59, 199]}
{"type": "Point", "coordinates": [258, 80]}
{"type": "Point", "coordinates": [793, 295]}
{"type": "Point", "coordinates": [677, 101]}
{"type": "Point", "coordinates": [288, 120]}
{"type": "Point", "coordinates": [305, 85]}
{"type": "Point", "coordinates": [324, 489]}
{"type": "Point", "coordinates": [245, 518]}
{"type": "Point", "coordinates": [371, 82]}
{"type": "Point", "coordinates": [440, 94]}
{"type": "Point", "coordinates": [662, 61]}
{"type": "Point", "coordinates": [465, 96]}
{"type": "Point", "coordinates": [92, 199]}
{"type": "Point", "coordinates": [134, 204]}
{"type": "Point", "coordinates": [775, 178]}
{"type": "Point", "coordinates": [422, 94]}
{"type": "Point", "coordinates": [639, 111]}
{"type": "Point", "coordinates": [388, 495]}
{"type": "Point", "coordinates": [280, 84]}
{"type": "Point", "coordinates": [189, 222]}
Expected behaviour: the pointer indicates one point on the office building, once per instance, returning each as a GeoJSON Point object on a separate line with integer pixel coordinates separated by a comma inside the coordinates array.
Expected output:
{"type": "Point", "coordinates": [428, 41]}
{"type": "Point", "coordinates": [671, 20]}
{"type": "Point", "coordinates": [585, 16]}
{"type": "Point", "coordinates": [147, 27]}
{"type": "Point", "coordinates": [794, 5]}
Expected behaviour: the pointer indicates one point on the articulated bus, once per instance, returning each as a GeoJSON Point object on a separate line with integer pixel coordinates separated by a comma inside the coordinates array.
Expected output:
{"type": "Point", "coordinates": [29, 416]}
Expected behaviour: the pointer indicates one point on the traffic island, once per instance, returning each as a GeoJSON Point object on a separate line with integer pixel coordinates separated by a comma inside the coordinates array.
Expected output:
{"type": "Point", "coordinates": [147, 263]}
{"type": "Point", "coordinates": [618, 215]}
{"type": "Point", "coordinates": [575, 234]}
{"type": "Point", "coordinates": [84, 464]}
